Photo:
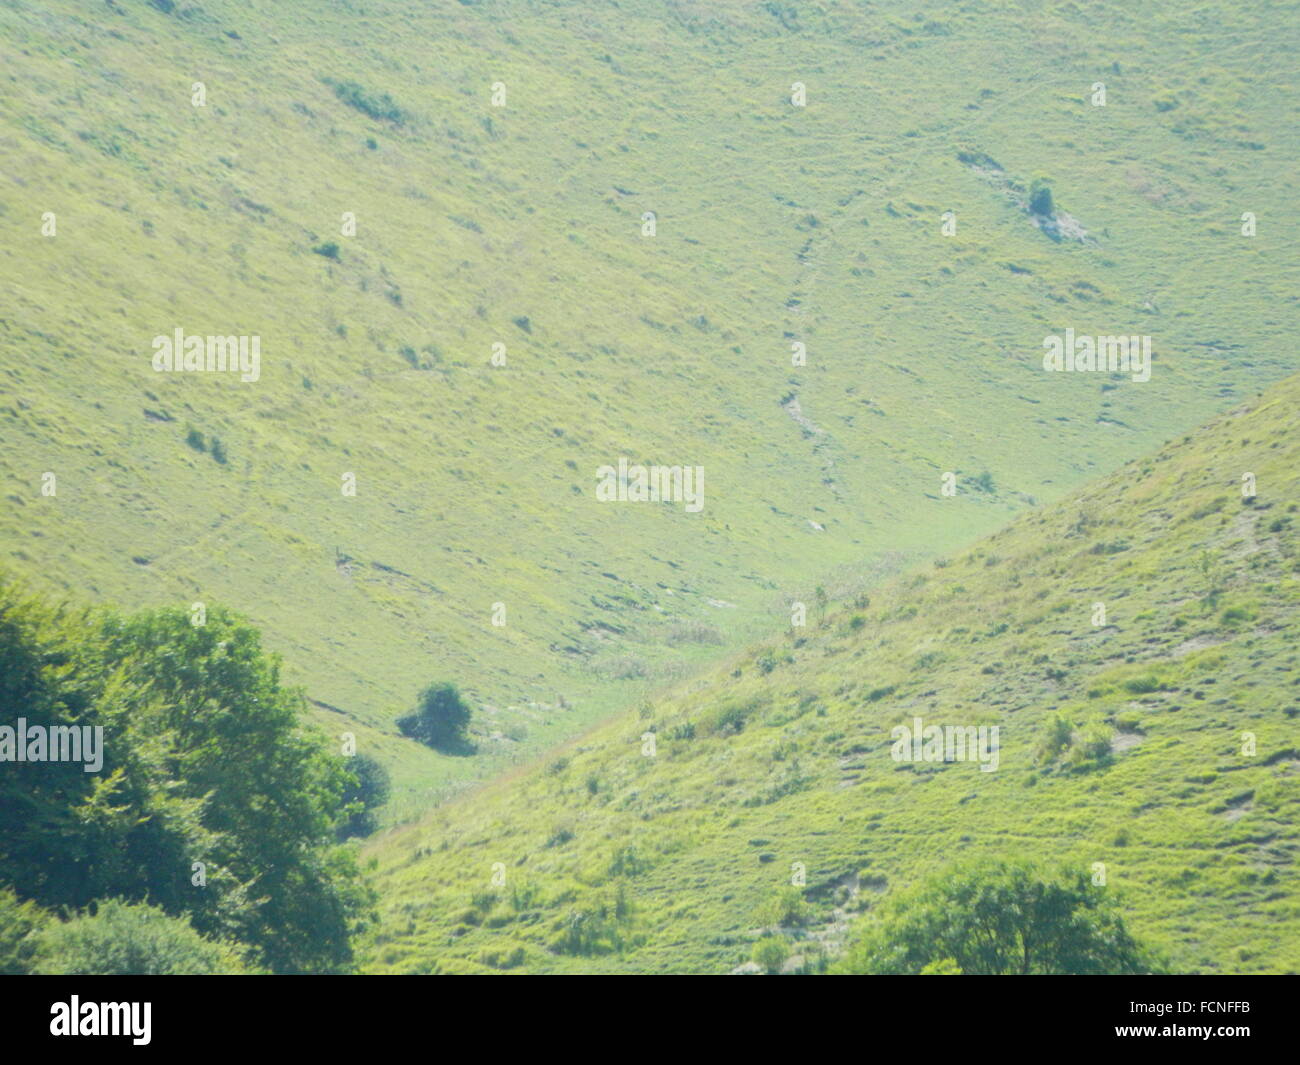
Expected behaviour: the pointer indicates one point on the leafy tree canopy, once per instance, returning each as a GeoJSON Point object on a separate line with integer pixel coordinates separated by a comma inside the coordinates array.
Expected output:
{"type": "Point", "coordinates": [440, 718]}
{"type": "Point", "coordinates": [999, 918]}
{"type": "Point", "coordinates": [212, 801]}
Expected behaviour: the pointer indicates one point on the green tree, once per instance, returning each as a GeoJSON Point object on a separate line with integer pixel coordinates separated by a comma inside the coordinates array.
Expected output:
{"type": "Point", "coordinates": [204, 761]}
{"type": "Point", "coordinates": [999, 918]}
{"type": "Point", "coordinates": [370, 791]}
{"type": "Point", "coordinates": [68, 836]}
{"type": "Point", "coordinates": [271, 796]}
{"type": "Point", "coordinates": [440, 718]}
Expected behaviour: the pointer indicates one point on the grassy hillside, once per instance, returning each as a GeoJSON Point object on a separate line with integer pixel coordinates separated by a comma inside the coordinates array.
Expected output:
{"type": "Point", "coordinates": [521, 225]}
{"type": "Point", "coordinates": [1180, 770]}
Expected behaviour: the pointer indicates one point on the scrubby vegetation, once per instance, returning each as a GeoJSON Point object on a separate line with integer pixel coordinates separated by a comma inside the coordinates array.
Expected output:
{"type": "Point", "coordinates": [125, 939]}
{"type": "Point", "coordinates": [374, 105]}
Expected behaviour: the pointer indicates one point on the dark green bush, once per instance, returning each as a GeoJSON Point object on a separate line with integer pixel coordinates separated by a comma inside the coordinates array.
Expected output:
{"type": "Point", "coordinates": [1040, 197]}
{"type": "Point", "coordinates": [439, 720]}
{"type": "Point", "coordinates": [361, 799]}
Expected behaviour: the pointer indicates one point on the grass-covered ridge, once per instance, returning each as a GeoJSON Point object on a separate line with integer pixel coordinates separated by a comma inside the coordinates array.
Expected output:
{"type": "Point", "coordinates": [1179, 768]}
{"type": "Point", "coordinates": [521, 225]}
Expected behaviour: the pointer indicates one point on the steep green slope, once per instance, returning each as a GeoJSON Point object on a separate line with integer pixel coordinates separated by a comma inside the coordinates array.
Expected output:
{"type": "Point", "coordinates": [522, 225]}
{"type": "Point", "coordinates": [1181, 773]}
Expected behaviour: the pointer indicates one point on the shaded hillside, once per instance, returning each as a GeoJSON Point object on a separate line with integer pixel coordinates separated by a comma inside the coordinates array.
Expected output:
{"type": "Point", "coordinates": [1177, 767]}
